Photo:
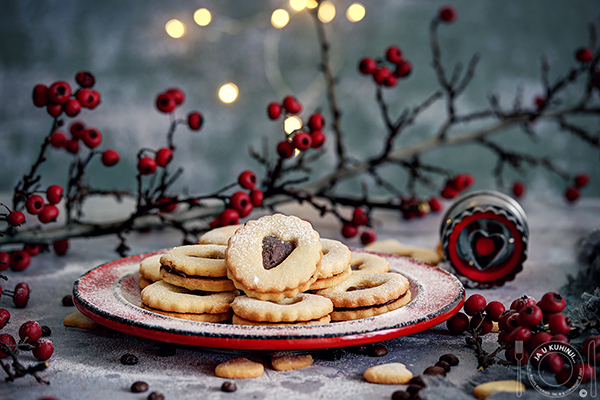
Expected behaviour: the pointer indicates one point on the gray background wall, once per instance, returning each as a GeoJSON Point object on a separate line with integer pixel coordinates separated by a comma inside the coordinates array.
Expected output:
{"type": "Point", "coordinates": [125, 45]}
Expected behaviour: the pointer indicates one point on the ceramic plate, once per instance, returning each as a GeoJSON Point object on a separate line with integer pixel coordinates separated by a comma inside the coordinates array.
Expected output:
{"type": "Point", "coordinates": [110, 295]}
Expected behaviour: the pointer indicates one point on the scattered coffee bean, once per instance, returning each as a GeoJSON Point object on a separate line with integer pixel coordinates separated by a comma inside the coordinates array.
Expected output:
{"type": "Point", "coordinates": [360, 349]}
{"type": "Point", "coordinates": [67, 301]}
{"type": "Point", "coordinates": [129, 359]}
{"type": "Point", "coordinates": [46, 331]}
{"type": "Point", "coordinates": [444, 365]}
{"type": "Point", "coordinates": [167, 351]}
{"type": "Point", "coordinates": [417, 380]}
{"type": "Point", "coordinates": [156, 396]}
{"type": "Point", "coordinates": [413, 389]}
{"type": "Point", "coordinates": [334, 354]}
{"type": "Point", "coordinates": [450, 359]}
{"type": "Point", "coordinates": [401, 395]}
{"type": "Point", "coordinates": [434, 370]}
{"type": "Point", "coordinates": [377, 350]}
{"type": "Point", "coordinates": [139, 387]}
{"type": "Point", "coordinates": [229, 386]}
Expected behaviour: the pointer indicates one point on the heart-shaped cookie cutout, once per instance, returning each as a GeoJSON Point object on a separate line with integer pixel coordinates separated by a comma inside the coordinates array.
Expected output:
{"type": "Point", "coordinates": [485, 249]}
{"type": "Point", "coordinates": [275, 250]}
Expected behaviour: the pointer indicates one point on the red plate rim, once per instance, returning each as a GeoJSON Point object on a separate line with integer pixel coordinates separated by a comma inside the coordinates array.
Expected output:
{"type": "Point", "coordinates": [101, 293]}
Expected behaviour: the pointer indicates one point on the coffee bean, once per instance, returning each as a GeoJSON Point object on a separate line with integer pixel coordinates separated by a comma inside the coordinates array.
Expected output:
{"type": "Point", "coordinates": [378, 350]}
{"type": "Point", "coordinates": [67, 301]}
{"type": "Point", "coordinates": [413, 389]}
{"type": "Point", "coordinates": [139, 387]}
{"type": "Point", "coordinates": [401, 395]}
{"type": "Point", "coordinates": [434, 370]}
{"type": "Point", "coordinates": [229, 386]}
{"type": "Point", "coordinates": [444, 365]}
{"type": "Point", "coordinates": [156, 396]}
{"type": "Point", "coordinates": [417, 380]}
{"type": "Point", "coordinates": [46, 331]}
{"type": "Point", "coordinates": [129, 359]}
{"type": "Point", "coordinates": [450, 359]}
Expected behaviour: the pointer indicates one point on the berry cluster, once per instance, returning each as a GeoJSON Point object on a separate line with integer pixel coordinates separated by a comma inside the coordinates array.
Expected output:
{"type": "Point", "coordinates": [571, 194]}
{"type": "Point", "coordinates": [380, 69]}
{"type": "Point", "coordinates": [525, 327]}
{"type": "Point", "coordinates": [414, 207]}
{"type": "Point", "coordinates": [20, 296]}
{"type": "Point", "coordinates": [309, 136]}
{"type": "Point", "coordinates": [456, 184]}
{"type": "Point", "coordinates": [59, 97]}
{"type": "Point", "coordinates": [240, 204]}
{"type": "Point", "coordinates": [172, 98]}
{"type": "Point", "coordinates": [350, 228]}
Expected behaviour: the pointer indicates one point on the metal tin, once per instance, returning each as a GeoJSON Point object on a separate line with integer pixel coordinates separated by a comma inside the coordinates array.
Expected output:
{"type": "Point", "coordinates": [484, 237]}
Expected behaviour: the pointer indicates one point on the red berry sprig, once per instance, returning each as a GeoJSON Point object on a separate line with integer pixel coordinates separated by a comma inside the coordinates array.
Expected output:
{"type": "Point", "coordinates": [387, 71]}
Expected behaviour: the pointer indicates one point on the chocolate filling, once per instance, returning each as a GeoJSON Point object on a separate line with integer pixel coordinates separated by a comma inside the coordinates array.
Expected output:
{"type": "Point", "coordinates": [353, 288]}
{"type": "Point", "coordinates": [173, 271]}
{"type": "Point", "coordinates": [275, 250]}
{"type": "Point", "coordinates": [371, 306]}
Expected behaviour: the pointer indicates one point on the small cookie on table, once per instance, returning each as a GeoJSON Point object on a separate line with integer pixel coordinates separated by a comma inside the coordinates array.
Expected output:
{"type": "Point", "coordinates": [388, 374]}
{"type": "Point", "coordinates": [392, 246]}
{"type": "Point", "coordinates": [239, 368]}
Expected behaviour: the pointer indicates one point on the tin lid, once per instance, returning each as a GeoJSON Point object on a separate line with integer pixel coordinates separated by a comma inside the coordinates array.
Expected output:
{"type": "Point", "coordinates": [484, 236]}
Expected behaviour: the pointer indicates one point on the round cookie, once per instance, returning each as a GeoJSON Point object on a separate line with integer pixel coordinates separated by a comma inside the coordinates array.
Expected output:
{"type": "Point", "coordinates": [199, 260]}
{"type": "Point", "coordinates": [273, 257]}
{"type": "Point", "coordinates": [166, 297]}
{"type": "Point", "coordinates": [365, 263]}
{"type": "Point", "coordinates": [143, 282]}
{"type": "Point", "coordinates": [303, 307]}
{"type": "Point", "coordinates": [219, 235]}
{"type": "Point", "coordinates": [366, 295]}
{"type": "Point", "coordinates": [150, 268]}
{"type": "Point", "coordinates": [204, 317]}
{"type": "Point", "coordinates": [284, 361]}
{"type": "Point", "coordinates": [335, 264]}
{"type": "Point", "coordinates": [236, 320]}
{"type": "Point", "coordinates": [389, 374]}
{"type": "Point", "coordinates": [239, 368]}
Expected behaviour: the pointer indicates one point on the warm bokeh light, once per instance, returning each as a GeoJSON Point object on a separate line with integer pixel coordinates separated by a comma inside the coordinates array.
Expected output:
{"type": "Point", "coordinates": [326, 12]}
{"type": "Point", "coordinates": [175, 28]}
{"type": "Point", "coordinates": [355, 12]}
{"type": "Point", "coordinates": [228, 93]}
{"type": "Point", "coordinates": [280, 18]}
{"type": "Point", "coordinates": [298, 5]}
{"type": "Point", "coordinates": [202, 17]}
{"type": "Point", "coordinates": [311, 4]}
{"type": "Point", "coordinates": [292, 124]}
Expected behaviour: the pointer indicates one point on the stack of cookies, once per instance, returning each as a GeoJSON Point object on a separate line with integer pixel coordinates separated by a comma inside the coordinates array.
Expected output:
{"type": "Point", "coordinates": [275, 270]}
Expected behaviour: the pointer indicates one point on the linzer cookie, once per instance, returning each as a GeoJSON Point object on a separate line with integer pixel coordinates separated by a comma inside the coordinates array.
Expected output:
{"type": "Point", "coordinates": [302, 308]}
{"type": "Point", "coordinates": [392, 246]}
{"type": "Point", "coordinates": [219, 235]}
{"type": "Point", "coordinates": [368, 263]}
{"type": "Point", "coordinates": [149, 270]}
{"type": "Point", "coordinates": [335, 264]}
{"type": "Point", "coordinates": [197, 267]}
{"type": "Point", "coordinates": [367, 295]}
{"type": "Point", "coordinates": [273, 257]}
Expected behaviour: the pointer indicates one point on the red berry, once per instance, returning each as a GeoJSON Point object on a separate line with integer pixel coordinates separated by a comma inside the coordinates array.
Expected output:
{"type": "Point", "coordinates": [30, 331]}
{"type": "Point", "coordinates": [146, 165]}
{"type": "Point", "coordinates": [110, 157]}
{"type": "Point", "coordinates": [368, 236]}
{"type": "Point", "coordinates": [434, 204]}
{"type": "Point", "coordinates": [54, 109]}
{"type": "Point", "coordinates": [531, 316]}
{"type": "Point", "coordinates": [561, 339]}
{"type": "Point", "coordinates": [9, 341]}
{"type": "Point", "coordinates": [571, 194]}
{"type": "Point", "coordinates": [582, 180]}
{"type": "Point", "coordinates": [273, 111]}
{"type": "Point", "coordinates": [559, 324]}
{"type": "Point", "coordinates": [58, 139]}
{"type": "Point", "coordinates": [61, 246]}
{"type": "Point", "coordinates": [40, 95]}
{"type": "Point", "coordinates": [59, 92]}
{"type": "Point", "coordinates": [229, 217]}
{"type": "Point", "coordinates": [34, 204]}
{"type": "Point", "coordinates": [483, 325]}
{"type": "Point", "coordinates": [393, 54]}
{"type": "Point", "coordinates": [458, 323]}
{"type": "Point", "coordinates": [92, 138]}
{"type": "Point", "coordinates": [591, 347]}
{"type": "Point", "coordinates": [381, 74]}
{"type": "Point", "coordinates": [553, 362]}
{"type": "Point", "coordinates": [539, 339]}
{"type": "Point", "coordinates": [291, 105]}
{"type": "Point", "coordinates": [448, 192]}
{"type": "Point", "coordinates": [54, 194]}
{"type": "Point", "coordinates": [522, 334]}
{"type": "Point", "coordinates": [165, 103]}
{"type": "Point", "coordinates": [474, 304]}
{"type": "Point", "coordinates": [256, 197]}
{"type": "Point", "coordinates": [585, 370]}
{"type": "Point", "coordinates": [461, 182]}
{"type": "Point", "coordinates": [4, 261]}
{"type": "Point", "coordinates": [285, 149]}
{"type": "Point", "coordinates": [540, 101]}
{"type": "Point", "coordinates": [15, 218]}
{"type": "Point", "coordinates": [177, 95]}
{"type": "Point", "coordinates": [518, 189]}
{"type": "Point", "coordinates": [245, 211]}
{"type": "Point", "coordinates": [48, 214]}
{"type": "Point", "coordinates": [494, 310]}
{"type": "Point", "coordinates": [247, 180]}
{"type": "Point", "coordinates": [88, 98]}
{"type": "Point", "coordinates": [195, 120]}
{"type": "Point", "coordinates": [403, 69]}
{"type": "Point", "coordinates": [584, 55]}
{"type": "Point", "coordinates": [4, 317]}
{"type": "Point", "coordinates": [239, 200]}
{"type": "Point", "coordinates": [552, 303]}
{"type": "Point", "coordinates": [43, 349]}
{"type": "Point", "coordinates": [85, 79]}
{"type": "Point", "coordinates": [316, 122]}
{"type": "Point", "coordinates": [318, 138]}
{"type": "Point", "coordinates": [167, 204]}
{"type": "Point", "coordinates": [503, 320]}
{"type": "Point", "coordinates": [521, 302]}
{"type": "Point", "coordinates": [349, 231]}
{"type": "Point", "coordinates": [367, 66]}
{"type": "Point", "coordinates": [447, 14]}
{"type": "Point", "coordinates": [163, 156]}
{"type": "Point", "coordinates": [390, 81]}
{"type": "Point", "coordinates": [72, 146]}
{"type": "Point", "coordinates": [72, 108]}
{"type": "Point", "coordinates": [33, 249]}
{"type": "Point", "coordinates": [359, 217]}
{"type": "Point", "coordinates": [20, 297]}
{"type": "Point", "coordinates": [77, 129]}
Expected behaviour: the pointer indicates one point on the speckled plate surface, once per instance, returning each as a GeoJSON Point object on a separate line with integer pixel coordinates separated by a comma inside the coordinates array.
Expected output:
{"type": "Point", "coordinates": [109, 294]}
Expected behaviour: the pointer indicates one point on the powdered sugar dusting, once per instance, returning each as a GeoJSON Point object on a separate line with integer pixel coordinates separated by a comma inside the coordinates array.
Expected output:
{"type": "Point", "coordinates": [109, 294]}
